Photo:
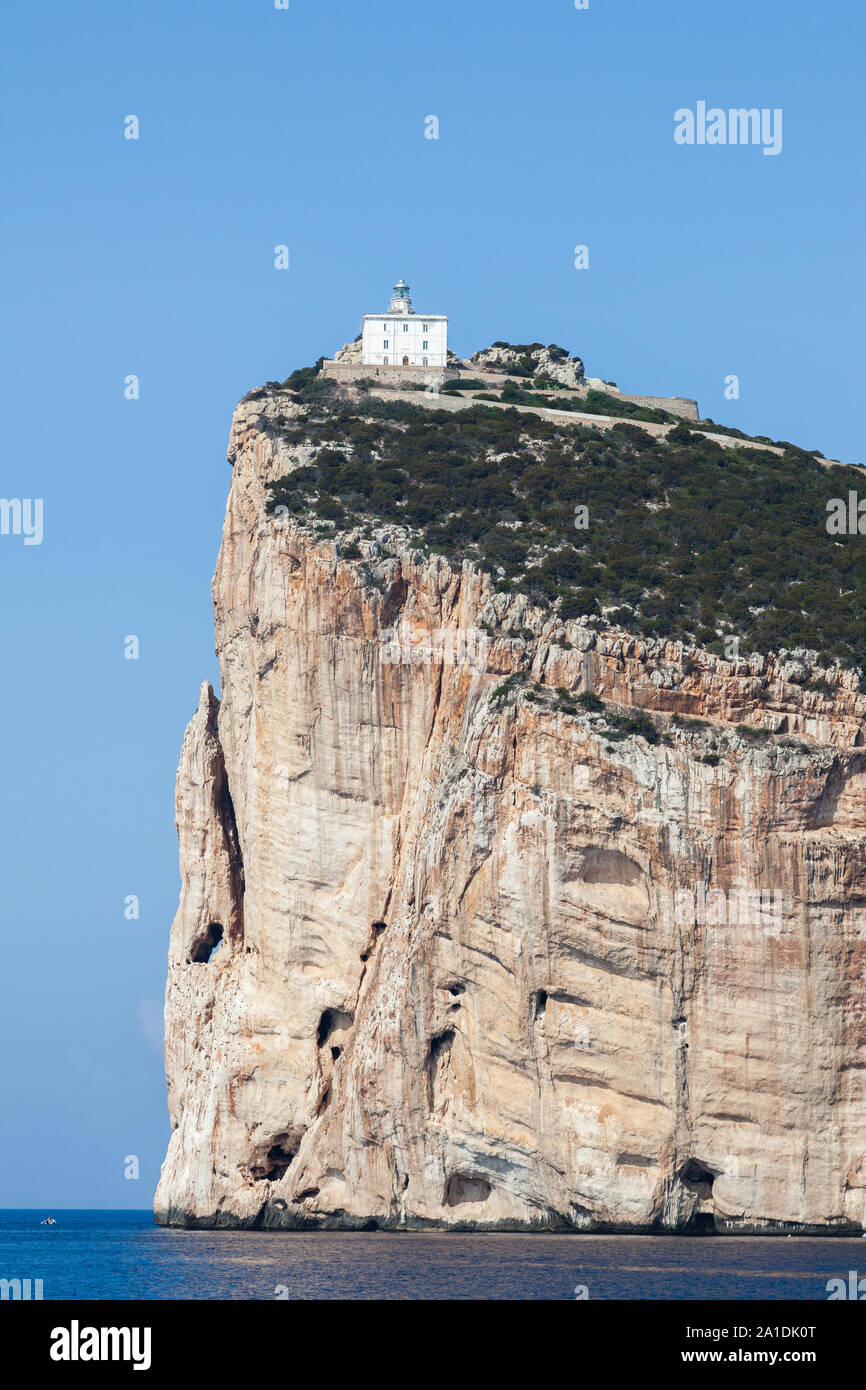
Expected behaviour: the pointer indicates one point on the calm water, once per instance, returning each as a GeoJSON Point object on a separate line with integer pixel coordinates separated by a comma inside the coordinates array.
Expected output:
{"type": "Point", "coordinates": [103, 1254]}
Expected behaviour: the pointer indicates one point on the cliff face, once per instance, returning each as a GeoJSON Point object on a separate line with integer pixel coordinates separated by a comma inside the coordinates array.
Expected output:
{"type": "Point", "coordinates": [483, 961]}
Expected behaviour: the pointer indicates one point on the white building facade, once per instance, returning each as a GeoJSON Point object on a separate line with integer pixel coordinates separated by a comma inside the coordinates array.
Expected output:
{"type": "Point", "coordinates": [402, 338]}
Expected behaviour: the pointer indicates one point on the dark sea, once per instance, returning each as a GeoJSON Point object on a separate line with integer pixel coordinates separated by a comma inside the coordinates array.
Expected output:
{"type": "Point", "coordinates": [122, 1255]}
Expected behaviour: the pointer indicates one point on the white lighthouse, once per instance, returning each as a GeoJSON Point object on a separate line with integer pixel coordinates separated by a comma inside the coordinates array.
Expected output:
{"type": "Point", "coordinates": [402, 338]}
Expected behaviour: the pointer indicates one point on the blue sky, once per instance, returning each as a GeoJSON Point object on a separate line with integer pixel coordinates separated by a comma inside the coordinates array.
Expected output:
{"type": "Point", "coordinates": [155, 257]}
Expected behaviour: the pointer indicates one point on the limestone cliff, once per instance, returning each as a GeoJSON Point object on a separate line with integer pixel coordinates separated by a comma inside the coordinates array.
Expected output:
{"type": "Point", "coordinates": [483, 961]}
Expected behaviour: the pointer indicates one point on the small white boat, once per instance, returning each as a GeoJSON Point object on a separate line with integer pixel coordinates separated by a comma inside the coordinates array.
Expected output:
{"type": "Point", "coordinates": [49, 1221]}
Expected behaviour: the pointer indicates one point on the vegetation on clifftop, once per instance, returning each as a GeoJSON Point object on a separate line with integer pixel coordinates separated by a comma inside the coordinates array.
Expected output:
{"type": "Point", "coordinates": [684, 538]}
{"type": "Point", "coordinates": [593, 403]}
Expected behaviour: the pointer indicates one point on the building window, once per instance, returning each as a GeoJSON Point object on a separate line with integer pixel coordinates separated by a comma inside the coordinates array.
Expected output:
{"type": "Point", "coordinates": [405, 328]}
{"type": "Point", "coordinates": [385, 344]}
{"type": "Point", "coordinates": [424, 344]}
{"type": "Point", "coordinates": [424, 328]}
{"type": "Point", "coordinates": [384, 361]}
{"type": "Point", "coordinates": [424, 361]}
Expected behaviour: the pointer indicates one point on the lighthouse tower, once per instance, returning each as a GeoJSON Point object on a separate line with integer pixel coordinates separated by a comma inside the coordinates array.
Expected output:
{"type": "Point", "coordinates": [402, 338]}
{"type": "Point", "coordinates": [400, 301]}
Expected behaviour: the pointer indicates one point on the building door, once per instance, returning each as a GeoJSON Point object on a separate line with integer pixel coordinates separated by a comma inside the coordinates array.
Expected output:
{"type": "Point", "coordinates": [405, 361]}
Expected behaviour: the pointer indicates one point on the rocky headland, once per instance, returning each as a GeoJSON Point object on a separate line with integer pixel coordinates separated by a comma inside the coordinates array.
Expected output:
{"type": "Point", "coordinates": [496, 913]}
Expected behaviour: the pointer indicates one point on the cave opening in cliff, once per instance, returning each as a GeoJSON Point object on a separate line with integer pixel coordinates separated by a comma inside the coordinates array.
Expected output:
{"type": "Point", "coordinates": [207, 945]}
{"type": "Point", "coordinates": [375, 932]}
{"type": "Point", "coordinates": [464, 1187]}
{"type": "Point", "coordinates": [278, 1163]}
{"type": "Point", "coordinates": [441, 1043]}
{"type": "Point", "coordinates": [541, 1003]}
{"type": "Point", "coordinates": [333, 1021]}
{"type": "Point", "coordinates": [437, 1061]}
{"type": "Point", "coordinates": [278, 1158]}
{"type": "Point", "coordinates": [697, 1178]}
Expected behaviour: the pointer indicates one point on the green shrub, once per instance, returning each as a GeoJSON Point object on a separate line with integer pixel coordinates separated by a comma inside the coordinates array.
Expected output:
{"type": "Point", "coordinates": [514, 395]}
{"type": "Point", "coordinates": [517, 368]}
{"type": "Point", "coordinates": [583, 601]}
{"type": "Point", "coordinates": [591, 702]}
{"type": "Point", "coordinates": [303, 376]}
{"type": "Point", "coordinates": [508, 687]}
{"type": "Point", "coordinates": [636, 726]}
{"type": "Point", "coordinates": [467, 383]}
{"type": "Point", "coordinates": [329, 509]}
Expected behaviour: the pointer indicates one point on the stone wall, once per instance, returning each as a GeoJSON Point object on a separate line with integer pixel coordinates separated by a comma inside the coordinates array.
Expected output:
{"type": "Point", "coordinates": [675, 405]}
{"type": "Point", "coordinates": [387, 376]}
{"type": "Point", "coordinates": [683, 406]}
{"type": "Point", "coordinates": [349, 370]}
